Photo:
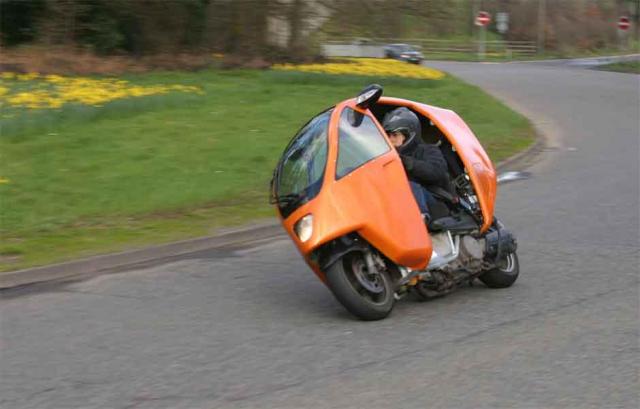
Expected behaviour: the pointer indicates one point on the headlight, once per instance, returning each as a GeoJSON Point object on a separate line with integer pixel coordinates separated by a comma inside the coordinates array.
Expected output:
{"type": "Point", "coordinates": [304, 228]}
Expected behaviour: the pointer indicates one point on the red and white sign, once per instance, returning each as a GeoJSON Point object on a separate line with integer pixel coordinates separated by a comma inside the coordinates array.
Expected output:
{"type": "Point", "coordinates": [483, 19]}
{"type": "Point", "coordinates": [623, 23]}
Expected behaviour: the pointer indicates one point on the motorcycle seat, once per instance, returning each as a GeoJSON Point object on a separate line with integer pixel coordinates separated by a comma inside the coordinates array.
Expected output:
{"type": "Point", "coordinates": [455, 224]}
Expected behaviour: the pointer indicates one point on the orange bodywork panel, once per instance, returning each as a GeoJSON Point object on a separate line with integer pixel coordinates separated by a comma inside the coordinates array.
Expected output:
{"type": "Point", "coordinates": [374, 200]}
{"type": "Point", "coordinates": [475, 159]}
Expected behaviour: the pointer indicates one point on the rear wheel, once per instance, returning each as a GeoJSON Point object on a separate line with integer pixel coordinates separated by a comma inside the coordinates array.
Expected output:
{"type": "Point", "coordinates": [366, 294]}
{"type": "Point", "coordinates": [504, 274]}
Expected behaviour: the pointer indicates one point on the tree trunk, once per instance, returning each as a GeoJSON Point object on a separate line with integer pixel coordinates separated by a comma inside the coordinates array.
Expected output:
{"type": "Point", "coordinates": [296, 19]}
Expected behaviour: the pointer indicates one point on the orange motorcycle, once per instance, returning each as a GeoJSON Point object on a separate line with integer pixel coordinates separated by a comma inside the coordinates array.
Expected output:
{"type": "Point", "coordinates": [343, 197]}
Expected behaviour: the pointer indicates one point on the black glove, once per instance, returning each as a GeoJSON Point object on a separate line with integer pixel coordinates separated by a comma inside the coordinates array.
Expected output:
{"type": "Point", "coordinates": [407, 162]}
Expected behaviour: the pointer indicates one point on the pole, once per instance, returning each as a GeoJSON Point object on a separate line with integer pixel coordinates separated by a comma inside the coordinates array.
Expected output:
{"type": "Point", "coordinates": [479, 37]}
{"type": "Point", "coordinates": [482, 45]}
{"type": "Point", "coordinates": [636, 25]}
{"type": "Point", "coordinates": [542, 16]}
{"type": "Point", "coordinates": [621, 40]}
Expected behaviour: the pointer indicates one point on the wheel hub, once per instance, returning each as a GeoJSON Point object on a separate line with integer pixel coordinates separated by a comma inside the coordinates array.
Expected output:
{"type": "Point", "coordinates": [371, 282]}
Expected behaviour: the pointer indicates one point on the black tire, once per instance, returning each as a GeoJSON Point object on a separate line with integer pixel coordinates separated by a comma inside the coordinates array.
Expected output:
{"type": "Point", "coordinates": [364, 304]}
{"type": "Point", "coordinates": [504, 275]}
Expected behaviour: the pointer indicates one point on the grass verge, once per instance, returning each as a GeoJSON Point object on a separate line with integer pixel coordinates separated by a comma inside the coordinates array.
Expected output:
{"type": "Point", "coordinates": [504, 56]}
{"type": "Point", "coordinates": [632, 67]}
{"type": "Point", "coordinates": [81, 181]}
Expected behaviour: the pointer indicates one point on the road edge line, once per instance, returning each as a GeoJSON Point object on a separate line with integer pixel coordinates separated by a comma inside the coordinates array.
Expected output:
{"type": "Point", "coordinates": [96, 265]}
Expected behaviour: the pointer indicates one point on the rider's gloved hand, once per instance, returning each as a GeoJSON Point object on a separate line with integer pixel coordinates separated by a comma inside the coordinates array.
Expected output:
{"type": "Point", "coordinates": [407, 162]}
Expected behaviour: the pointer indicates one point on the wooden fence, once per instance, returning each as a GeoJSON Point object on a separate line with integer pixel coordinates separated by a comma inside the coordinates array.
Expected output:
{"type": "Point", "coordinates": [374, 47]}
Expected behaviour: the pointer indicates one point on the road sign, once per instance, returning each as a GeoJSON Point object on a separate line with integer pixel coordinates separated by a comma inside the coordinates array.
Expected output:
{"type": "Point", "coordinates": [623, 23]}
{"type": "Point", "coordinates": [483, 18]}
{"type": "Point", "coordinates": [502, 22]}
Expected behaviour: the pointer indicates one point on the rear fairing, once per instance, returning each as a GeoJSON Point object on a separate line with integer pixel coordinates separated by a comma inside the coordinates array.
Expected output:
{"type": "Point", "coordinates": [476, 161]}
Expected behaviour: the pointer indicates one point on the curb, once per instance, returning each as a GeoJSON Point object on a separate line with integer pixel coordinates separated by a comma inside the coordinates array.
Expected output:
{"type": "Point", "coordinates": [92, 266]}
{"type": "Point", "coordinates": [526, 157]}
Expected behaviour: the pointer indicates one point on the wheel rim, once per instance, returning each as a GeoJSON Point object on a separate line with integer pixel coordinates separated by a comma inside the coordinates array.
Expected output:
{"type": "Point", "coordinates": [508, 265]}
{"type": "Point", "coordinates": [370, 286]}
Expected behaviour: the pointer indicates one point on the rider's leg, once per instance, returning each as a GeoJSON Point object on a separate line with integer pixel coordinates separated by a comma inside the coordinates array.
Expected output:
{"type": "Point", "coordinates": [429, 199]}
{"type": "Point", "coordinates": [422, 197]}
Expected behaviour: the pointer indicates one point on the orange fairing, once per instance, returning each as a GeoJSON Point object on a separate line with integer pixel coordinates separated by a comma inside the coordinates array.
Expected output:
{"type": "Point", "coordinates": [474, 157]}
{"type": "Point", "coordinates": [374, 200]}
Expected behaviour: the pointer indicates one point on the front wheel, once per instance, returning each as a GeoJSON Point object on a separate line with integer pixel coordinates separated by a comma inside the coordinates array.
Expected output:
{"type": "Point", "coordinates": [366, 294]}
{"type": "Point", "coordinates": [504, 274]}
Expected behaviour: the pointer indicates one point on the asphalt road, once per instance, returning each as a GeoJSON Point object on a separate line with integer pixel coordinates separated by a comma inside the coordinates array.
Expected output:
{"type": "Point", "coordinates": [252, 327]}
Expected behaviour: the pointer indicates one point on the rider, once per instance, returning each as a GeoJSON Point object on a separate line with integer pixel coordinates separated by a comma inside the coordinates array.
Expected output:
{"type": "Point", "coordinates": [424, 163]}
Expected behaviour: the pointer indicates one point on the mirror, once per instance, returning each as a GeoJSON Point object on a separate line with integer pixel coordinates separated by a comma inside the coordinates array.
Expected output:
{"type": "Point", "coordinates": [369, 96]}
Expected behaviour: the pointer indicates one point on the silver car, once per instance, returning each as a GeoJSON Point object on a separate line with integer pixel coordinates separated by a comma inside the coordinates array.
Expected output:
{"type": "Point", "coordinates": [403, 52]}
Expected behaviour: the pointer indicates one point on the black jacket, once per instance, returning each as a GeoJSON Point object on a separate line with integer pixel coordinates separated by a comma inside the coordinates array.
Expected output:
{"type": "Point", "coordinates": [424, 163]}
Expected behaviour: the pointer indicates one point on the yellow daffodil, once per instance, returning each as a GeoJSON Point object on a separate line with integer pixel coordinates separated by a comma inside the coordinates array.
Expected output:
{"type": "Point", "coordinates": [368, 67]}
{"type": "Point", "coordinates": [54, 91]}
{"type": "Point", "coordinates": [27, 77]}
{"type": "Point", "coordinates": [55, 79]}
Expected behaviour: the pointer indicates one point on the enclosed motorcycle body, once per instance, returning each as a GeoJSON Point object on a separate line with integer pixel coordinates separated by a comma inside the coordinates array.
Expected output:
{"type": "Point", "coordinates": [341, 189]}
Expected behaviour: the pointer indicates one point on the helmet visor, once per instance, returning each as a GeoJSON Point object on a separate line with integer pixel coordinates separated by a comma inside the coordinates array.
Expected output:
{"type": "Point", "coordinates": [403, 130]}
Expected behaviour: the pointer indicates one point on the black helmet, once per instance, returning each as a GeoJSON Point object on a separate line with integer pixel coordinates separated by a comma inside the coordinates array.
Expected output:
{"type": "Point", "coordinates": [402, 120]}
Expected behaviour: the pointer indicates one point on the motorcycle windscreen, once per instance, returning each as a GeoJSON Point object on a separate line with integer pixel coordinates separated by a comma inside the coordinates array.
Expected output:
{"type": "Point", "coordinates": [370, 192]}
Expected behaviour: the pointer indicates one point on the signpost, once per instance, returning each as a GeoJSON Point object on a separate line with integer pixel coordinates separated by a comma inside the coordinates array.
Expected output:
{"type": "Point", "coordinates": [483, 19]}
{"type": "Point", "coordinates": [502, 22]}
{"type": "Point", "coordinates": [623, 25]}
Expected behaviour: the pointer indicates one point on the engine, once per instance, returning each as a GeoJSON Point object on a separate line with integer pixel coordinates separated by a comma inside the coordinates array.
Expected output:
{"type": "Point", "coordinates": [451, 253]}
{"type": "Point", "coordinates": [471, 255]}
{"type": "Point", "coordinates": [476, 254]}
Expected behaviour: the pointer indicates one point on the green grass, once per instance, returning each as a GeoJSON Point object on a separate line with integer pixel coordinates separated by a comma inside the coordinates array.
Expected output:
{"type": "Point", "coordinates": [84, 181]}
{"type": "Point", "coordinates": [496, 54]}
{"type": "Point", "coordinates": [473, 57]}
{"type": "Point", "coordinates": [632, 47]}
{"type": "Point", "coordinates": [503, 57]}
{"type": "Point", "coordinates": [632, 67]}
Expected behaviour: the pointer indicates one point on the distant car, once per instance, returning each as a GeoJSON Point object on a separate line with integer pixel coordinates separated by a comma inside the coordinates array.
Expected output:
{"type": "Point", "coordinates": [403, 52]}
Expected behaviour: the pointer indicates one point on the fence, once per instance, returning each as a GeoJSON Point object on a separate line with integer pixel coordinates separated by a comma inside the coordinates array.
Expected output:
{"type": "Point", "coordinates": [430, 48]}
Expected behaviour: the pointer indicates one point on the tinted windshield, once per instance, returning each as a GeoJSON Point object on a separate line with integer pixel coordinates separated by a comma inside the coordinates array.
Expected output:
{"type": "Point", "coordinates": [301, 168]}
{"type": "Point", "coordinates": [359, 141]}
